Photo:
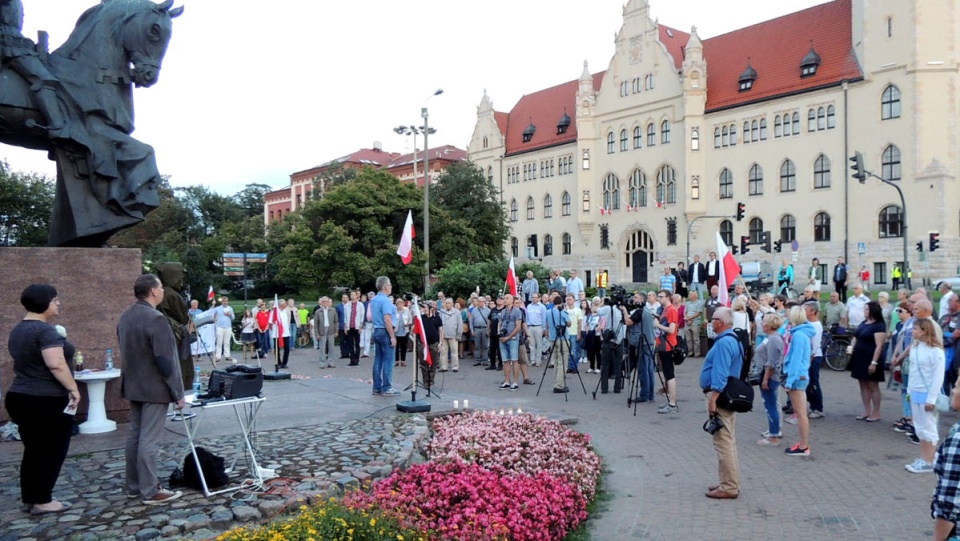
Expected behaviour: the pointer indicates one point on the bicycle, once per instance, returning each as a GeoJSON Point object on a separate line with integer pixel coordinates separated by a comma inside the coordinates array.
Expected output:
{"type": "Point", "coordinates": [787, 289]}
{"type": "Point", "coordinates": [834, 345]}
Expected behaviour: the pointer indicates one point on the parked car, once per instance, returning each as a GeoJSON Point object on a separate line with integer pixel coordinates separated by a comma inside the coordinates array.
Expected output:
{"type": "Point", "coordinates": [758, 275]}
{"type": "Point", "coordinates": [954, 282]}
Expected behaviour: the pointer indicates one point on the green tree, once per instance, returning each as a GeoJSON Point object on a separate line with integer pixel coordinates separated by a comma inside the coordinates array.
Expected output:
{"type": "Point", "coordinates": [250, 199]}
{"type": "Point", "coordinates": [210, 209]}
{"type": "Point", "coordinates": [26, 206]}
{"type": "Point", "coordinates": [464, 192]}
{"type": "Point", "coordinates": [461, 279]}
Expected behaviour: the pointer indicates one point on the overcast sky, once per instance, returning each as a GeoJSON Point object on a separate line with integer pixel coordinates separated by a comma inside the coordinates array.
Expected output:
{"type": "Point", "coordinates": [253, 91]}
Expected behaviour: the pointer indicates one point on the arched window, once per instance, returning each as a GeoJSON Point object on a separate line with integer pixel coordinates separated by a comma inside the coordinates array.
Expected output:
{"type": "Point", "coordinates": [611, 143]}
{"type": "Point", "coordinates": [490, 175]}
{"type": "Point", "coordinates": [777, 127]}
{"type": "Point", "coordinates": [756, 180]}
{"type": "Point", "coordinates": [726, 136]}
{"type": "Point", "coordinates": [565, 204]}
{"type": "Point", "coordinates": [890, 222]}
{"type": "Point", "coordinates": [746, 133]}
{"type": "Point", "coordinates": [788, 177]}
{"type": "Point", "coordinates": [485, 141]}
{"type": "Point", "coordinates": [547, 206]}
{"type": "Point", "coordinates": [891, 163]}
{"type": "Point", "coordinates": [821, 118]}
{"type": "Point", "coordinates": [754, 131]}
{"type": "Point", "coordinates": [567, 244]}
{"type": "Point", "coordinates": [821, 227]}
{"type": "Point", "coordinates": [623, 141]}
{"type": "Point", "coordinates": [756, 231]}
{"type": "Point", "coordinates": [695, 139]}
{"type": "Point", "coordinates": [788, 228]}
{"type": "Point", "coordinates": [763, 129]}
{"type": "Point", "coordinates": [821, 172]}
{"type": "Point", "coordinates": [831, 117]}
{"type": "Point", "coordinates": [787, 125]}
{"type": "Point", "coordinates": [651, 135]}
{"type": "Point", "coordinates": [726, 184]}
{"type": "Point", "coordinates": [890, 103]}
{"type": "Point", "coordinates": [637, 137]}
{"type": "Point", "coordinates": [667, 185]}
{"type": "Point", "coordinates": [514, 247]}
{"type": "Point", "coordinates": [726, 232]}
{"type": "Point", "coordinates": [514, 210]}
{"type": "Point", "coordinates": [665, 132]}
{"type": "Point", "coordinates": [811, 120]}
{"type": "Point", "coordinates": [733, 135]}
{"type": "Point", "coordinates": [547, 245]}
{"type": "Point", "coordinates": [638, 189]}
{"type": "Point", "coordinates": [611, 192]}
{"type": "Point", "coordinates": [796, 123]}
{"type": "Point", "coordinates": [530, 208]}
{"type": "Point", "coordinates": [716, 138]}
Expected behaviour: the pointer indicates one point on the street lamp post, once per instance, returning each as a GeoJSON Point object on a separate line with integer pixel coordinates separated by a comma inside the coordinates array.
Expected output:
{"type": "Point", "coordinates": [426, 191]}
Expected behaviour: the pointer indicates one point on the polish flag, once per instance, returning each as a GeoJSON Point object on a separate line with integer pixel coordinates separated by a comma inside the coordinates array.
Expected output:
{"type": "Point", "coordinates": [418, 329]}
{"type": "Point", "coordinates": [605, 211]}
{"type": "Point", "coordinates": [276, 318]}
{"type": "Point", "coordinates": [629, 208]}
{"type": "Point", "coordinates": [210, 295]}
{"type": "Point", "coordinates": [655, 203]}
{"type": "Point", "coordinates": [512, 279]}
{"type": "Point", "coordinates": [405, 250]}
{"type": "Point", "coordinates": [729, 271]}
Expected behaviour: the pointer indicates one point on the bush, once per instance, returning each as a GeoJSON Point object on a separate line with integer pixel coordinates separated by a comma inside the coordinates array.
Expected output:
{"type": "Point", "coordinates": [329, 521]}
{"type": "Point", "coordinates": [460, 279]}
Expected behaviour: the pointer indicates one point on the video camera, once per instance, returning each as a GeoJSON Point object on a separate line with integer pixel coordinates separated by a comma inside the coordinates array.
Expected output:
{"type": "Point", "coordinates": [618, 296]}
{"type": "Point", "coordinates": [409, 296]}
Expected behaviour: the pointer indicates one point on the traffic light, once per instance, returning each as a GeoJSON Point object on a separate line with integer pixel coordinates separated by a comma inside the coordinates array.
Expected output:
{"type": "Point", "coordinates": [741, 210]}
{"type": "Point", "coordinates": [766, 241]}
{"type": "Point", "coordinates": [920, 246]}
{"type": "Point", "coordinates": [777, 246]}
{"type": "Point", "coordinates": [859, 171]}
{"type": "Point", "coordinates": [934, 241]}
{"type": "Point", "coordinates": [744, 244]}
{"type": "Point", "coordinates": [734, 250]}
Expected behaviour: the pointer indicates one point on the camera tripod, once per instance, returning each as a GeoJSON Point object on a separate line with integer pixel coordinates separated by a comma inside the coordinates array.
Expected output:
{"type": "Point", "coordinates": [561, 342]}
{"type": "Point", "coordinates": [606, 374]}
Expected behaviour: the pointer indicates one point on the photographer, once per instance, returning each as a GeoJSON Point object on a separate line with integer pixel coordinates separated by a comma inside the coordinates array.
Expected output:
{"type": "Point", "coordinates": [612, 332]}
{"type": "Point", "coordinates": [510, 326]}
{"type": "Point", "coordinates": [668, 325]}
{"type": "Point", "coordinates": [558, 321]}
{"type": "Point", "coordinates": [640, 338]}
{"type": "Point", "coordinates": [723, 360]}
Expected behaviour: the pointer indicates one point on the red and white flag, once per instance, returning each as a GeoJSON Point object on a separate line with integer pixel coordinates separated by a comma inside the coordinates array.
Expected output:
{"type": "Point", "coordinates": [729, 271]}
{"type": "Point", "coordinates": [276, 319]}
{"type": "Point", "coordinates": [655, 203]}
{"type": "Point", "coordinates": [210, 295]}
{"type": "Point", "coordinates": [405, 250]}
{"type": "Point", "coordinates": [418, 329]}
{"type": "Point", "coordinates": [512, 279]}
{"type": "Point", "coordinates": [605, 211]}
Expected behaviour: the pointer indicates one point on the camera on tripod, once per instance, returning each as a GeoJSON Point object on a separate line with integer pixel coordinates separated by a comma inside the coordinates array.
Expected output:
{"type": "Point", "coordinates": [619, 297]}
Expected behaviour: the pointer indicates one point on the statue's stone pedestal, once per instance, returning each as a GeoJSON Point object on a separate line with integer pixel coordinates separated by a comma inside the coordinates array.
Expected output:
{"type": "Point", "coordinates": [95, 285]}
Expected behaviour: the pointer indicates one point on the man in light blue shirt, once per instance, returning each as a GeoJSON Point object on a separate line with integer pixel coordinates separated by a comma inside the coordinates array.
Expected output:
{"type": "Point", "coordinates": [223, 321]}
{"type": "Point", "coordinates": [536, 315]}
{"type": "Point", "coordinates": [574, 285]}
{"type": "Point", "coordinates": [529, 287]}
{"type": "Point", "coordinates": [668, 281]}
{"type": "Point", "coordinates": [383, 314]}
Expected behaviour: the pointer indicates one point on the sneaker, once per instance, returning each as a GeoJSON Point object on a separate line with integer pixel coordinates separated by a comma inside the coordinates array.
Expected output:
{"type": "Point", "coordinates": [792, 419]}
{"type": "Point", "coordinates": [768, 442]}
{"type": "Point", "coordinates": [913, 438]}
{"type": "Point", "coordinates": [391, 392]}
{"type": "Point", "coordinates": [919, 466]}
{"type": "Point", "coordinates": [796, 450]}
{"type": "Point", "coordinates": [668, 408]}
{"type": "Point", "coordinates": [816, 414]}
{"type": "Point", "coordinates": [162, 496]}
{"type": "Point", "coordinates": [514, 387]}
{"type": "Point", "coordinates": [504, 386]}
{"type": "Point", "coordinates": [529, 382]}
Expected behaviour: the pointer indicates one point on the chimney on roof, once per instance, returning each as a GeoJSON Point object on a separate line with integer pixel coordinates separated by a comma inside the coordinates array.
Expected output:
{"type": "Point", "coordinates": [378, 146]}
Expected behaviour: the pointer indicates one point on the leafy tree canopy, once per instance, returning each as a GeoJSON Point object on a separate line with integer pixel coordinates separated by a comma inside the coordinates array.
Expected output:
{"type": "Point", "coordinates": [26, 204]}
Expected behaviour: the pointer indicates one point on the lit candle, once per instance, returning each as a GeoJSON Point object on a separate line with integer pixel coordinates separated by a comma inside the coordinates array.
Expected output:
{"type": "Point", "coordinates": [519, 411]}
{"type": "Point", "coordinates": [466, 404]}
{"type": "Point", "coordinates": [510, 411]}
{"type": "Point", "coordinates": [501, 411]}
{"type": "Point", "coordinates": [456, 404]}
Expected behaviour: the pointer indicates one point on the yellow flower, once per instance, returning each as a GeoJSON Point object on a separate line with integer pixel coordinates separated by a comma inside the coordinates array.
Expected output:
{"type": "Point", "coordinates": [373, 522]}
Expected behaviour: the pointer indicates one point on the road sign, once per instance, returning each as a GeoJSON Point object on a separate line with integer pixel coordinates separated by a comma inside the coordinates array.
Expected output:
{"type": "Point", "coordinates": [796, 256]}
{"type": "Point", "coordinates": [251, 257]}
{"type": "Point", "coordinates": [861, 248]}
{"type": "Point", "coordinates": [238, 268]}
{"type": "Point", "coordinates": [232, 273]}
{"type": "Point", "coordinates": [256, 257]}
{"type": "Point", "coordinates": [794, 246]}
{"type": "Point", "coordinates": [232, 255]}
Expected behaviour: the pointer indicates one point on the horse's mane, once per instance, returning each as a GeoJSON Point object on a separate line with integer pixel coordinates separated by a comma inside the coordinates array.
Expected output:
{"type": "Point", "coordinates": [113, 11]}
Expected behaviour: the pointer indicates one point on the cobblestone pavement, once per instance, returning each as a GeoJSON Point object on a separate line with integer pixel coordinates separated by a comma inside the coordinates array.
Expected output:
{"type": "Point", "coordinates": [324, 425]}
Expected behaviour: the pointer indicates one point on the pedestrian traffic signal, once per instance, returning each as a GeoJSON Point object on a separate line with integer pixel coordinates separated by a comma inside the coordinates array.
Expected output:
{"type": "Point", "coordinates": [920, 246]}
{"type": "Point", "coordinates": [859, 171]}
{"type": "Point", "coordinates": [934, 241]}
{"type": "Point", "coordinates": [777, 246]}
{"type": "Point", "coordinates": [744, 244]}
{"type": "Point", "coordinates": [766, 241]}
{"type": "Point", "coordinates": [741, 210]}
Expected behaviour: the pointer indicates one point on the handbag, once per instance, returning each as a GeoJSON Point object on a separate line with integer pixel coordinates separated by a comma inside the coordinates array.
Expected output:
{"type": "Point", "coordinates": [737, 396]}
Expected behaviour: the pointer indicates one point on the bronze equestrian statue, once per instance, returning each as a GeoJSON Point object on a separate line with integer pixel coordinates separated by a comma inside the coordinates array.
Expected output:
{"type": "Point", "coordinates": [77, 104]}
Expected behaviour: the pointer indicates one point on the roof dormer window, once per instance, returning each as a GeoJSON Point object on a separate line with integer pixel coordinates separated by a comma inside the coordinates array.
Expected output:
{"type": "Point", "coordinates": [810, 63]}
{"type": "Point", "coordinates": [528, 132]}
{"type": "Point", "coordinates": [747, 78]}
{"type": "Point", "coordinates": [563, 124]}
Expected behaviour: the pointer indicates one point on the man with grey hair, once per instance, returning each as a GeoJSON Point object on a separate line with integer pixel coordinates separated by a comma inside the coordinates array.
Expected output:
{"type": "Point", "coordinates": [452, 328]}
{"type": "Point", "coordinates": [947, 290]}
{"type": "Point", "coordinates": [366, 334]}
{"type": "Point", "coordinates": [325, 324]}
{"type": "Point", "coordinates": [382, 315]}
{"type": "Point", "coordinates": [529, 288]}
{"type": "Point", "coordinates": [725, 359]}
{"type": "Point", "coordinates": [855, 305]}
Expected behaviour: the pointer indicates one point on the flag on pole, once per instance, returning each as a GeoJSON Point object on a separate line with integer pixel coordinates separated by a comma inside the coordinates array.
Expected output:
{"type": "Point", "coordinates": [512, 279]}
{"type": "Point", "coordinates": [276, 318]}
{"type": "Point", "coordinates": [605, 211]}
{"type": "Point", "coordinates": [655, 203]}
{"type": "Point", "coordinates": [419, 330]}
{"type": "Point", "coordinates": [729, 271]}
{"type": "Point", "coordinates": [405, 250]}
{"type": "Point", "coordinates": [210, 295]}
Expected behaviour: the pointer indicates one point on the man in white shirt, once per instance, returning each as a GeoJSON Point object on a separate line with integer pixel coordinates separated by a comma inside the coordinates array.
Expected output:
{"type": "Point", "coordinates": [325, 323]}
{"type": "Point", "coordinates": [223, 321]}
{"type": "Point", "coordinates": [574, 285]}
{"type": "Point", "coordinates": [948, 293]}
{"type": "Point", "coordinates": [529, 287]}
{"type": "Point", "coordinates": [855, 305]}
{"type": "Point", "coordinates": [536, 316]}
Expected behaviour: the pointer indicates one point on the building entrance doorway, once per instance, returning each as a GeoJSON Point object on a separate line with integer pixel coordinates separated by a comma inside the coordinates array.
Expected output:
{"type": "Point", "coordinates": [639, 256]}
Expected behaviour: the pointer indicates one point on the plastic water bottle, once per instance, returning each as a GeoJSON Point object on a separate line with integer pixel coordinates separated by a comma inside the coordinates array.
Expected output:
{"type": "Point", "coordinates": [196, 380]}
{"type": "Point", "coordinates": [109, 365]}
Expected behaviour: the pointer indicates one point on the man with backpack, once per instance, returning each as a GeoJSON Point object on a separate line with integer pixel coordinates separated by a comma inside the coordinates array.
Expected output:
{"type": "Point", "coordinates": [724, 359]}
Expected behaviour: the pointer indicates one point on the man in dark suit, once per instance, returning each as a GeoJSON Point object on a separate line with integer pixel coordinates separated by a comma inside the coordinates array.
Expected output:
{"type": "Point", "coordinates": [151, 382]}
{"type": "Point", "coordinates": [697, 277]}
{"type": "Point", "coordinates": [840, 279]}
{"type": "Point", "coordinates": [713, 271]}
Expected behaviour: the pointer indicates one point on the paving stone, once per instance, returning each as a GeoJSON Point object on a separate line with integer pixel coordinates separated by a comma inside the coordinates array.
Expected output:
{"type": "Point", "coordinates": [246, 514]}
{"type": "Point", "coordinates": [148, 533]}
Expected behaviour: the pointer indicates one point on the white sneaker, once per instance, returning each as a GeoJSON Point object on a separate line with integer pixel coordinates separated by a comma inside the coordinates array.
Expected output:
{"type": "Point", "coordinates": [815, 414]}
{"type": "Point", "coordinates": [919, 466]}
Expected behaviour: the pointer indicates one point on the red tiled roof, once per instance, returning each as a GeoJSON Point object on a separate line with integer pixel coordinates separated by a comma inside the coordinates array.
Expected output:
{"type": "Point", "coordinates": [775, 49]}
{"type": "Point", "coordinates": [443, 153]}
{"type": "Point", "coordinates": [675, 41]}
{"type": "Point", "coordinates": [545, 109]}
{"type": "Point", "coordinates": [364, 156]}
{"type": "Point", "coordinates": [502, 120]}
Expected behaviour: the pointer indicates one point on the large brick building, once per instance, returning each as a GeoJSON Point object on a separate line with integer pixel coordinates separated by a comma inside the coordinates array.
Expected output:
{"type": "Point", "coordinates": [678, 128]}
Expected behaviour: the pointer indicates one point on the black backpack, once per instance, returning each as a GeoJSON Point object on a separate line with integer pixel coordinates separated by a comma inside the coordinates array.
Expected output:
{"type": "Point", "coordinates": [212, 466]}
{"type": "Point", "coordinates": [679, 351]}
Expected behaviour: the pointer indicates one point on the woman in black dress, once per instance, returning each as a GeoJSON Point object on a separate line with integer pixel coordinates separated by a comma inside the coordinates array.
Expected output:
{"type": "Point", "coordinates": [866, 360]}
{"type": "Point", "coordinates": [681, 274]}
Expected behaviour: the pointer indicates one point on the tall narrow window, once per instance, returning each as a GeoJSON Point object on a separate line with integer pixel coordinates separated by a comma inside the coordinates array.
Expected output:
{"type": "Point", "coordinates": [788, 228]}
{"type": "Point", "coordinates": [726, 184]}
{"type": "Point", "coordinates": [567, 244]}
{"type": "Point", "coordinates": [667, 185]}
{"type": "Point", "coordinates": [890, 222]}
{"type": "Point", "coordinates": [796, 123]}
{"type": "Point", "coordinates": [726, 232]}
{"type": "Point", "coordinates": [585, 204]}
{"type": "Point", "coordinates": [514, 210]}
{"type": "Point", "coordinates": [821, 118]}
{"type": "Point", "coordinates": [716, 138]}
{"type": "Point", "coordinates": [788, 177]}
{"type": "Point", "coordinates": [821, 227]}
{"type": "Point", "coordinates": [891, 163]}
{"type": "Point", "coordinates": [514, 247]}
{"type": "Point", "coordinates": [547, 245]}
{"type": "Point", "coordinates": [754, 131]}
{"type": "Point", "coordinates": [726, 136]}
{"type": "Point", "coordinates": [763, 129]}
{"type": "Point", "coordinates": [651, 135]}
{"type": "Point", "coordinates": [821, 172]}
{"type": "Point", "coordinates": [611, 192]}
{"type": "Point", "coordinates": [611, 143]}
{"type": "Point", "coordinates": [695, 139]}
{"type": "Point", "coordinates": [665, 132]}
{"type": "Point", "coordinates": [831, 117]}
{"type": "Point", "coordinates": [733, 135]}
{"type": "Point", "coordinates": [756, 231]}
{"type": "Point", "coordinates": [623, 140]}
{"type": "Point", "coordinates": [777, 127]}
{"type": "Point", "coordinates": [636, 137]}
{"type": "Point", "coordinates": [811, 120]}
{"type": "Point", "coordinates": [531, 208]}
{"type": "Point", "coordinates": [890, 103]}
{"type": "Point", "coordinates": [547, 206]}
{"type": "Point", "coordinates": [638, 189]}
{"type": "Point", "coordinates": [756, 180]}
{"type": "Point", "coordinates": [565, 204]}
